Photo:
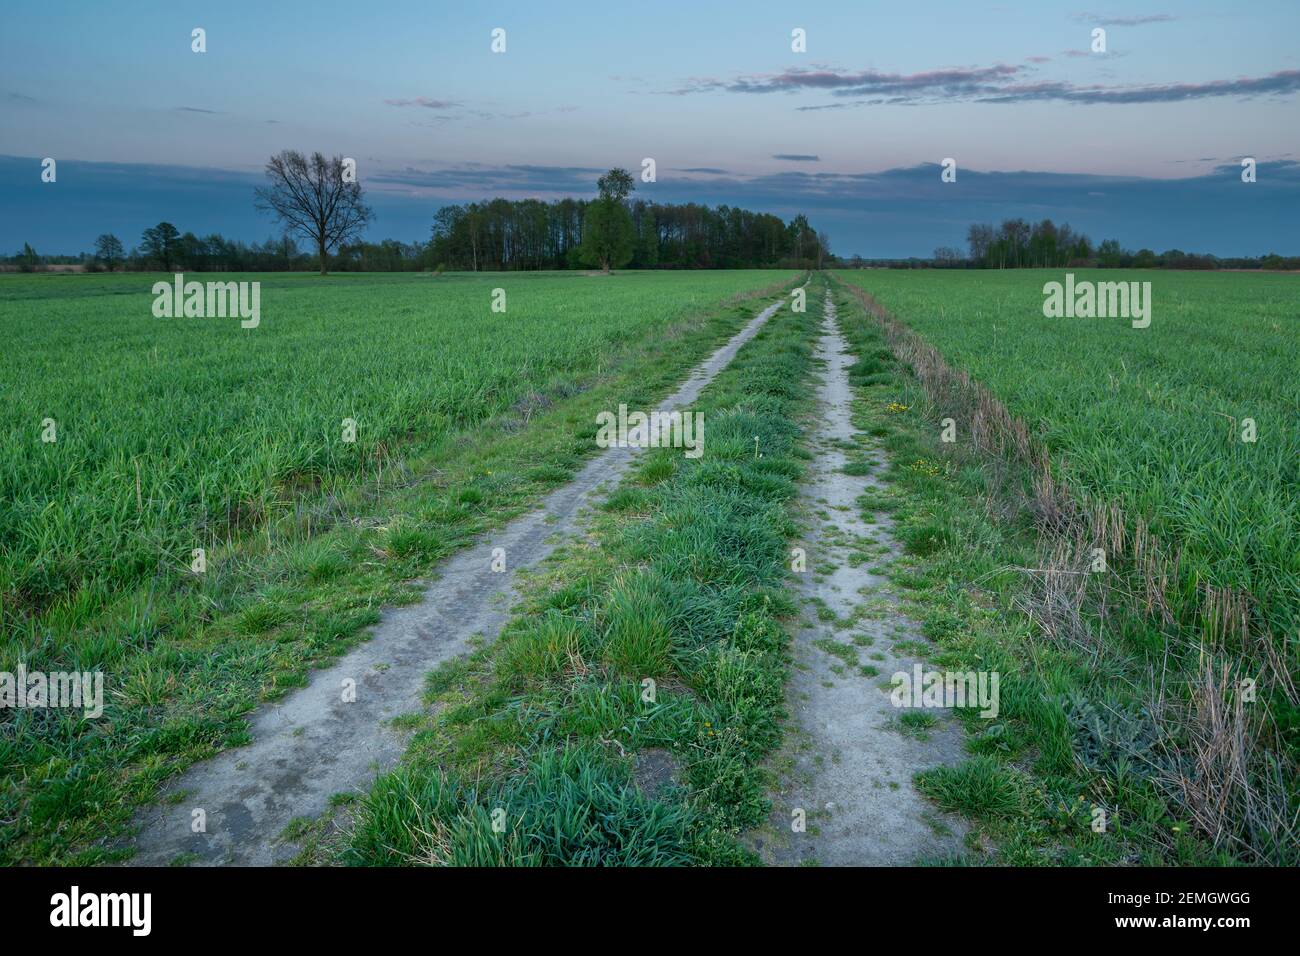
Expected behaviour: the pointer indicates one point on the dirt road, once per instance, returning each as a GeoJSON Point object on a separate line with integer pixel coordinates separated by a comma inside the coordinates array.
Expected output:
{"type": "Point", "coordinates": [848, 762]}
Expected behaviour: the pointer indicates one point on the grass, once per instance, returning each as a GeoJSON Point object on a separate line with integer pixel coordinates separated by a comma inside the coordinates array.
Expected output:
{"type": "Point", "coordinates": [1150, 419]}
{"type": "Point", "coordinates": [624, 715]}
{"type": "Point", "coordinates": [659, 632]}
{"type": "Point", "coordinates": [1081, 735]}
{"type": "Point", "coordinates": [845, 653]}
{"type": "Point", "coordinates": [917, 723]}
{"type": "Point", "coordinates": [465, 418]}
{"type": "Point", "coordinates": [229, 426]}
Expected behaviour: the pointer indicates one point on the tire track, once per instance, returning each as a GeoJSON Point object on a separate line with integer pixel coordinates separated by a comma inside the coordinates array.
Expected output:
{"type": "Point", "coordinates": [847, 763]}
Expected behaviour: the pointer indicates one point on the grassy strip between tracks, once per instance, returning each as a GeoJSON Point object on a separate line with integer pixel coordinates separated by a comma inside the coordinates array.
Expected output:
{"type": "Point", "coordinates": [623, 715]}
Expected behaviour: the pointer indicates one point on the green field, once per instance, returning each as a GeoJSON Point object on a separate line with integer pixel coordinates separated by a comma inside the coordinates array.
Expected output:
{"type": "Point", "coordinates": [177, 434]}
{"type": "Point", "coordinates": [1149, 418]}
{"type": "Point", "coordinates": [187, 433]}
{"type": "Point", "coordinates": [221, 419]}
{"type": "Point", "coordinates": [1165, 685]}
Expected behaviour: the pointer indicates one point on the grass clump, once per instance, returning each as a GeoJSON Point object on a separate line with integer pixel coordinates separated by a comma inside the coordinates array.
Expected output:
{"type": "Point", "coordinates": [570, 807]}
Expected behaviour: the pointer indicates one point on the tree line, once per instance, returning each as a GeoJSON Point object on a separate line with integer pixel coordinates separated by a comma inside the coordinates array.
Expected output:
{"type": "Point", "coordinates": [530, 234]}
{"type": "Point", "coordinates": [1019, 244]}
{"type": "Point", "coordinates": [318, 200]}
{"type": "Point", "coordinates": [170, 250]}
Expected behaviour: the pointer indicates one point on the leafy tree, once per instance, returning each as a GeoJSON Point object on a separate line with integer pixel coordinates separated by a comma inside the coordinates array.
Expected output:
{"type": "Point", "coordinates": [608, 235]}
{"type": "Point", "coordinates": [1018, 244]}
{"type": "Point", "coordinates": [1014, 234]}
{"type": "Point", "coordinates": [28, 260]}
{"type": "Point", "coordinates": [804, 242]}
{"type": "Point", "coordinates": [608, 238]}
{"type": "Point", "coordinates": [1082, 250]}
{"type": "Point", "coordinates": [1109, 254]}
{"type": "Point", "coordinates": [109, 251]}
{"type": "Point", "coordinates": [161, 243]}
{"type": "Point", "coordinates": [286, 250]}
{"type": "Point", "coordinates": [617, 184]}
{"type": "Point", "coordinates": [647, 241]}
{"type": "Point", "coordinates": [316, 199]}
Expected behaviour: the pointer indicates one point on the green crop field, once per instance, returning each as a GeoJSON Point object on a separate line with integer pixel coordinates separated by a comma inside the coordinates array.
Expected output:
{"type": "Point", "coordinates": [851, 438]}
{"type": "Point", "coordinates": [1150, 418]}
{"type": "Point", "coordinates": [176, 434]}
{"type": "Point", "coordinates": [219, 418]}
{"type": "Point", "coordinates": [1180, 444]}
{"type": "Point", "coordinates": [172, 435]}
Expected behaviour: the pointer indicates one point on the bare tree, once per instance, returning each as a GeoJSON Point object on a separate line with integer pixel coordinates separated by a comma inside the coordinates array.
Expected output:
{"type": "Point", "coordinates": [823, 249]}
{"type": "Point", "coordinates": [981, 239]}
{"type": "Point", "coordinates": [317, 198]}
{"type": "Point", "coordinates": [945, 257]}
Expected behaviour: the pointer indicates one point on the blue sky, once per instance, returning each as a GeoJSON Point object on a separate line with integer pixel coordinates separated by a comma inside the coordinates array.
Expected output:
{"type": "Point", "coordinates": [1140, 143]}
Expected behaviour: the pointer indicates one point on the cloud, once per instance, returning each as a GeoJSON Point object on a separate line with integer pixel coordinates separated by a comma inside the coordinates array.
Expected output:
{"type": "Point", "coordinates": [1111, 21]}
{"type": "Point", "coordinates": [1282, 82]}
{"type": "Point", "coordinates": [426, 102]}
{"type": "Point", "coordinates": [829, 106]}
{"type": "Point", "coordinates": [944, 82]}
{"type": "Point", "coordinates": [1285, 167]}
{"type": "Point", "coordinates": [449, 110]}
{"type": "Point", "coordinates": [797, 157]}
{"type": "Point", "coordinates": [195, 109]}
{"type": "Point", "coordinates": [696, 84]}
{"type": "Point", "coordinates": [477, 180]}
{"type": "Point", "coordinates": [999, 83]}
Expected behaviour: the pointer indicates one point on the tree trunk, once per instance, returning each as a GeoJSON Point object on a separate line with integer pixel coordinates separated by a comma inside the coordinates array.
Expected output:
{"type": "Point", "coordinates": [320, 245]}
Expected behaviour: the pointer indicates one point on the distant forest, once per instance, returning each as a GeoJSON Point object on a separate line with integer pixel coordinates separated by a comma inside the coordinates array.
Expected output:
{"type": "Point", "coordinates": [1019, 244]}
{"type": "Point", "coordinates": [530, 234]}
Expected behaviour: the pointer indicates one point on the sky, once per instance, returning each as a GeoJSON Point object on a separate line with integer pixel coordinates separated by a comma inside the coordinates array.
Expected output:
{"type": "Point", "coordinates": [1142, 142]}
